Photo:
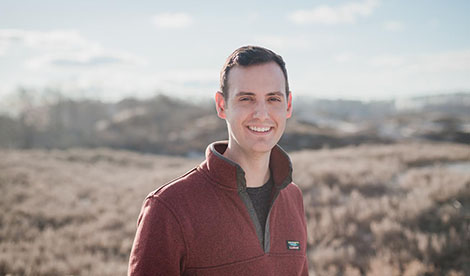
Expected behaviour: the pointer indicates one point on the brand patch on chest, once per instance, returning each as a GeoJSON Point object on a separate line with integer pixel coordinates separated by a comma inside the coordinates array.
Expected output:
{"type": "Point", "coordinates": [293, 245]}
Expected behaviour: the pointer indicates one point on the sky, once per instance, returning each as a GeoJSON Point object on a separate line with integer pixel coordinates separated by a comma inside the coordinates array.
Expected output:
{"type": "Point", "coordinates": [348, 49]}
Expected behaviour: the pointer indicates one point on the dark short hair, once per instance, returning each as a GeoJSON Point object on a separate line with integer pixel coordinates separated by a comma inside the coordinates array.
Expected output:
{"type": "Point", "coordinates": [246, 56]}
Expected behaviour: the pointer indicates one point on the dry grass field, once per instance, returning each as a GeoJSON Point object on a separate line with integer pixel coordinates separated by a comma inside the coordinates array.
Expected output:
{"type": "Point", "coordinates": [372, 210]}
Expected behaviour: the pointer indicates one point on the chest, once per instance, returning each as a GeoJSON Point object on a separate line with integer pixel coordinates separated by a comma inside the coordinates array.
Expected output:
{"type": "Point", "coordinates": [221, 231]}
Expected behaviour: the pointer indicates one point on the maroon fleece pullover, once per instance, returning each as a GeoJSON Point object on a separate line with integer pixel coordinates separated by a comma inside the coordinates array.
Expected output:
{"type": "Point", "coordinates": [204, 223]}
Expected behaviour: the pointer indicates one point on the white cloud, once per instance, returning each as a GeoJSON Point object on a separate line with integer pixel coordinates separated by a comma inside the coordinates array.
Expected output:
{"type": "Point", "coordinates": [168, 20]}
{"type": "Point", "coordinates": [442, 62]}
{"type": "Point", "coordinates": [48, 40]}
{"type": "Point", "coordinates": [393, 26]}
{"type": "Point", "coordinates": [115, 83]}
{"type": "Point", "coordinates": [63, 48]}
{"type": "Point", "coordinates": [93, 57]}
{"type": "Point", "coordinates": [387, 76]}
{"type": "Point", "coordinates": [344, 13]}
{"type": "Point", "coordinates": [79, 67]}
{"type": "Point", "coordinates": [450, 61]}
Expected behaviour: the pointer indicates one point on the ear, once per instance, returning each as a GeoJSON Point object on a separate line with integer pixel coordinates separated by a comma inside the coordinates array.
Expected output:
{"type": "Point", "coordinates": [220, 105]}
{"type": "Point", "coordinates": [289, 105]}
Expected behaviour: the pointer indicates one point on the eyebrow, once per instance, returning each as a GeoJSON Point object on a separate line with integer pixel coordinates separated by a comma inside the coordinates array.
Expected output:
{"type": "Point", "coordinates": [278, 93]}
{"type": "Point", "coordinates": [242, 93]}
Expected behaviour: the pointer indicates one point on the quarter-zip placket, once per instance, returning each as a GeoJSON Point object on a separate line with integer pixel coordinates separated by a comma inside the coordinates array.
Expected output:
{"type": "Point", "coordinates": [242, 192]}
{"type": "Point", "coordinates": [265, 242]}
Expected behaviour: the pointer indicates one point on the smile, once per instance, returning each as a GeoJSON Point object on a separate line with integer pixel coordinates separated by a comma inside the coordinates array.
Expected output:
{"type": "Point", "coordinates": [259, 129]}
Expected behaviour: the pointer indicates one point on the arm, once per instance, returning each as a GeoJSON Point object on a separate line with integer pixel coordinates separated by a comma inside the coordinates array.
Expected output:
{"type": "Point", "coordinates": [159, 247]}
{"type": "Point", "coordinates": [304, 221]}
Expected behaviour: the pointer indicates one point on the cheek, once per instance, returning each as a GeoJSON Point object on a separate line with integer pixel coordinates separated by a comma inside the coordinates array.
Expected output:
{"type": "Point", "coordinates": [239, 113]}
{"type": "Point", "coordinates": [279, 111]}
{"type": "Point", "coordinates": [235, 118]}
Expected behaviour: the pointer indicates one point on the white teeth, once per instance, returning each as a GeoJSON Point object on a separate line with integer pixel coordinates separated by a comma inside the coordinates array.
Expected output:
{"type": "Point", "coordinates": [259, 129]}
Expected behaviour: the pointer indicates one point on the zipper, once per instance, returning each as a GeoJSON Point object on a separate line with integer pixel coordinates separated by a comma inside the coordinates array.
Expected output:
{"type": "Point", "coordinates": [254, 218]}
{"type": "Point", "coordinates": [264, 241]}
{"type": "Point", "coordinates": [267, 233]}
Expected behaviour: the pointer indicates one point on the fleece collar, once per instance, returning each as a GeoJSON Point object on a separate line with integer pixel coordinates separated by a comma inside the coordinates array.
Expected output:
{"type": "Point", "coordinates": [230, 175]}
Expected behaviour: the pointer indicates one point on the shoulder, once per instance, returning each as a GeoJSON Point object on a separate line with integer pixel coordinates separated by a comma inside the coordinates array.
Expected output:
{"type": "Point", "coordinates": [292, 196]}
{"type": "Point", "coordinates": [178, 192]}
{"type": "Point", "coordinates": [166, 200]}
{"type": "Point", "coordinates": [176, 186]}
{"type": "Point", "coordinates": [292, 200]}
{"type": "Point", "coordinates": [293, 190]}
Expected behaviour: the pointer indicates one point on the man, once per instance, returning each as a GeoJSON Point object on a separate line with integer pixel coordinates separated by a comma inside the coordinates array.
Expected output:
{"type": "Point", "coordinates": [238, 212]}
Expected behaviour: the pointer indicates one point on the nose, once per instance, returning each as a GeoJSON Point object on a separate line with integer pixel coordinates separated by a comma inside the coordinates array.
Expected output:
{"type": "Point", "coordinates": [261, 111]}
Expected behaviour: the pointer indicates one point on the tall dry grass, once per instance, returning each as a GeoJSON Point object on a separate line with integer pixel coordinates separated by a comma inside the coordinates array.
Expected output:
{"type": "Point", "coordinates": [387, 210]}
{"type": "Point", "coordinates": [371, 210]}
{"type": "Point", "coordinates": [74, 212]}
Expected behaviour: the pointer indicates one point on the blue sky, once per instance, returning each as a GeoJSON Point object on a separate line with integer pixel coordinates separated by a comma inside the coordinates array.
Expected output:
{"type": "Point", "coordinates": [354, 49]}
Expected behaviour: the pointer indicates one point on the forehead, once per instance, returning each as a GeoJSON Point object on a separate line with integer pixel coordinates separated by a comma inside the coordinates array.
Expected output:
{"type": "Point", "coordinates": [260, 78]}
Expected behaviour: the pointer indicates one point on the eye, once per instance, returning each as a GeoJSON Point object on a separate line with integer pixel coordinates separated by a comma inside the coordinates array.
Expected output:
{"type": "Point", "coordinates": [274, 99]}
{"type": "Point", "coordinates": [244, 99]}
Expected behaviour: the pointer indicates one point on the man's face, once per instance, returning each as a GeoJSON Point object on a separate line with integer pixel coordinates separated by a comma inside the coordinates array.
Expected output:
{"type": "Point", "coordinates": [257, 108]}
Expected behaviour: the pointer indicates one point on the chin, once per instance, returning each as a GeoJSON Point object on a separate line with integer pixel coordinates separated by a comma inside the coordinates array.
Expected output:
{"type": "Point", "coordinates": [262, 148]}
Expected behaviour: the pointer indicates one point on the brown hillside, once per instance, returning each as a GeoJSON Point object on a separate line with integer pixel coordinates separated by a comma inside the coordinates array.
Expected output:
{"type": "Point", "coordinates": [372, 210]}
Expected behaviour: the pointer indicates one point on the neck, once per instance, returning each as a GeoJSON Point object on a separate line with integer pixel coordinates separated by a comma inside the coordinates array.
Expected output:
{"type": "Point", "coordinates": [255, 165]}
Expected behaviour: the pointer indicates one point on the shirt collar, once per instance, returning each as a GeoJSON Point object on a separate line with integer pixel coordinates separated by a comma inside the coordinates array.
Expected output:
{"type": "Point", "coordinates": [229, 174]}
